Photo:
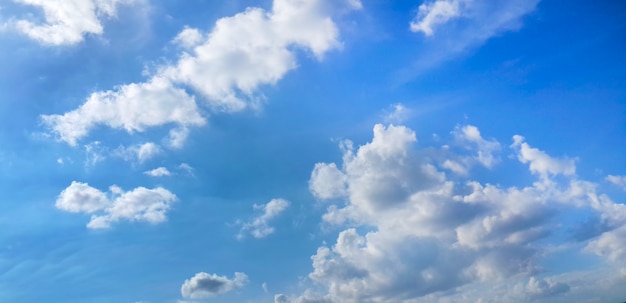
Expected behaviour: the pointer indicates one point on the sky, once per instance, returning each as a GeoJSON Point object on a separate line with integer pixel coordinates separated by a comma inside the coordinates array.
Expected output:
{"type": "Point", "coordinates": [312, 151]}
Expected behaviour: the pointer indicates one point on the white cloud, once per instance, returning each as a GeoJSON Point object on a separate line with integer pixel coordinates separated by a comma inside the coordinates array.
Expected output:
{"type": "Point", "coordinates": [140, 152]}
{"type": "Point", "coordinates": [80, 197]}
{"type": "Point", "coordinates": [434, 13]}
{"type": "Point", "coordinates": [540, 162]}
{"type": "Point", "coordinates": [67, 22]}
{"type": "Point", "coordinates": [425, 237]}
{"type": "Point", "coordinates": [481, 20]}
{"type": "Point", "coordinates": [398, 114]}
{"type": "Point", "coordinates": [139, 204]}
{"type": "Point", "coordinates": [259, 226]}
{"type": "Point", "coordinates": [617, 180]}
{"type": "Point", "coordinates": [132, 107]}
{"type": "Point", "coordinates": [226, 67]}
{"type": "Point", "coordinates": [204, 285]}
{"type": "Point", "coordinates": [158, 172]}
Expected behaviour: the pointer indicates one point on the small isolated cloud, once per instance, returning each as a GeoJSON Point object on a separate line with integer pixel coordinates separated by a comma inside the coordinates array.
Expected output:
{"type": "Point", "coordinates": [259, 226]}
{"type": "Point", "coordinates": [158, 172]}
{"type": "Point", "coordinates": [67, 22]}
{"type": "Point", "coordinates": [204, 285]}
{"type": "Point", "coordinates": [434, 13]}
{"type": "Point", "coordinates": [140, 204]}
{"type": "Point", "coordinates": [617, 180]}
{"type": "Point", "coordinates": [224, 67]}
{"type": "Point", "coordinates": [470, 138]}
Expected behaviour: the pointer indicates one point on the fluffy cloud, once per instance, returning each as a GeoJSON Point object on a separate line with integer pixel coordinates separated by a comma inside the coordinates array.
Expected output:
{"type": "Point", "coordinates": [226, 67]}
{"type": "Point", "coordinates": [259, 226]}
{"type": "Point", "coordinates": [424, 236]}
{"type": "Point", "coordinates": [139, 152]}
{"type": "Point", "coordinates": [540, 162]}
{"type": "Point", "coordinates": [139, 204]}
{"type": "Point", "coordinates": [204, 285]}
{"type": "Point", "coordinates": [67, 22]}
{"type": "Point", "coordinates": [158, 172]}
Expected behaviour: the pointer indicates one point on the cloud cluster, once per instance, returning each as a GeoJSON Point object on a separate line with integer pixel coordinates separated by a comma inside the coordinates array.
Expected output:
{"type": "Point", "coordinates": [429, 236]}
{"type": "Point", "coordinates": [204, 285]}
{"type": "Point", "coordinates": [259, 226]}
{"type": "Point", "coordinates": [140, 204]}
{"type": "Point", "coordinates": [225, 67]}
{"type": "Point", "coordinates": [67, 22]}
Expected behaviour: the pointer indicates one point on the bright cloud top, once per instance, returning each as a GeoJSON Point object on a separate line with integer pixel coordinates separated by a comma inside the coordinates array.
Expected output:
{"type": "Point", "coordinates": [204, 285]}
{"type": "Point", "coordinates": [67, 22]}
{"type": "Point", "coordinates": [225, 67]}
{"type": "Point", "coordinates": [431, 235]}
{"type": "Point", "coordinates": [140, 204]}
{"type": "Point", "coordinates": [259, 226]}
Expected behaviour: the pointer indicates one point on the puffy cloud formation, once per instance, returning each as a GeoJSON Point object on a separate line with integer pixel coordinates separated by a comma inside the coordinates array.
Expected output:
{"type": "Point", "coordinates": [259, 226]}
{"type": "Point", "coordinates": [67, 22]}
{"type": "Point", "coordinates": [139, 204]}
{"type": "Point", "coordinates": [424, 236]}
{"type": "Point", "coordinates": [225, 67]}
{"type": "Point", "coordinates": [204, 285]}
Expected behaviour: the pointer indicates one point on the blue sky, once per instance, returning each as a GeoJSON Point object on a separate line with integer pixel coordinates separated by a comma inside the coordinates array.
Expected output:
{"type": "Point", "coordinates": [295, 151]}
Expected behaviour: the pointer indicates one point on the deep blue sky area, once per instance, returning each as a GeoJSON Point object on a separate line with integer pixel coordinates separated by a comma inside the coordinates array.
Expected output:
{"type": "Point", "coordinates": [293, 151]}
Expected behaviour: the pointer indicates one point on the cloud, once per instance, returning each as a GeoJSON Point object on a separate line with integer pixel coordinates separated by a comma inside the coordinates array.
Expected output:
{"type": "Point", "coordinates": [540, 162]}
{"type": "Point", "coordinates": [158, 172]}
{"type": "Point", "coordinates": [132, 107]}
{"type": "Point", "coordinates": [138, 152]}
{"type": "Point", "coordinates": [67, 22]}
{"type": "Point", "coordinates": [441, 20]}
{"type": "Point", "coordinates": [415, 236]}
{"type": "Point", "coordinates": [434, 13]}
{"type": "Point", "coordinates": [259, 226]}
{"type": "Point", "coordinates": [617, 180]}
{"type": "Point", "coordinates": [398, 114]}
{"type": "Point", "coordinates": [204, 285]}
{"type": "Point", "coordinates": [140, 204]}
{"type": "Point", "coordinates": [225, 67]}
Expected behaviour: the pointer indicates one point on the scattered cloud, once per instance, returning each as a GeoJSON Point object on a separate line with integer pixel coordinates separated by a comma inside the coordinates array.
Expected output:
{"type": "Point", "coordinates": [158, 172]}
{"type": "Point", "coordinates": [540, 162]}
{"type": "Point", "coordinates": [429, 235]}
{"type": "Point", "coordinates": [140, 204]}
{"type": "Point", "coordinates": [67, 22]}
{"type": "Point", "coordinates": [204, 285]}
{"type": "Point", "coordinates": [259, 226]}
{"type": "Point", "coordinates": [617, 180]}
{"type": "Point", "coordinates": [431, 14]}
{"type": "Point", "coordinates": [225, 67]}
{"type": "Point", "coordinates": [139, 152]}
{"type": "Point", "coordinates": [481, 20]}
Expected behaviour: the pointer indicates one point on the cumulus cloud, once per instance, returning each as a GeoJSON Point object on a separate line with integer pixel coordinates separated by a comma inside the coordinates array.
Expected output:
{"type": "Point", "coordinates": [540, 162]}
{"type": "Point", "coordinates": [140, 204]}
{"type": "Point", "coordinates": [204, 285]}
{"type": "Point", "coordinates": [424, 236]}
{"type": "Point", "coordinates": [158, 172]}
{"type": "Point", "coordinates": [67, 22]}
{"type": "Point", "coordinates": [259, 226]}
{"type": "Point", "coordinates": [224, 67]}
